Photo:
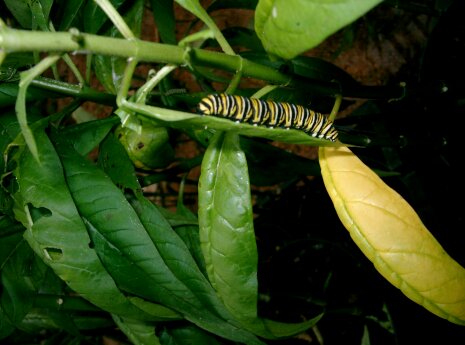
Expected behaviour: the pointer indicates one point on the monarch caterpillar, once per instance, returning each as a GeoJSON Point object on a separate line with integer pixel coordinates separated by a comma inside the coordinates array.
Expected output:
{"type": "Point", "coordinates": [268, 113]}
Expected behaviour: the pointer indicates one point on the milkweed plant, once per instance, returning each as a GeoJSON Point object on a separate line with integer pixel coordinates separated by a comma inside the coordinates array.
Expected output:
{"type": "Point", "coordinates": [85, 246]}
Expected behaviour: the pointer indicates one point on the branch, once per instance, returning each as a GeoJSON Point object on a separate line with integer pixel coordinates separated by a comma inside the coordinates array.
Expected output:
{"type": "Point", "coordinates": [13, 40]}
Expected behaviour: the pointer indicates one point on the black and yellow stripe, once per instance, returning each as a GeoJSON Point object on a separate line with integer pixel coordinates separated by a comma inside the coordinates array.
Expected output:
{"type": "Point", "coordinates": [268, 113]}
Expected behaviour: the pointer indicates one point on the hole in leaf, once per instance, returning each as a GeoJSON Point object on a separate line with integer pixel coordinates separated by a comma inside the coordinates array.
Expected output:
{"type": "Point", "coordinates": [54, 254]}
{"type": "Point", "coordinates": [91, 245]}
{"type": "Point", "coordinates": [38, 212]}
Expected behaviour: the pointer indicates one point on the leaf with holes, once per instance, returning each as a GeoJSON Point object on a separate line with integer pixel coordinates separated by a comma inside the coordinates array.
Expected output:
{"type": "Point", "coordinates": [56, 232]}
{"type": "Point", "coordinates": [141, 251]}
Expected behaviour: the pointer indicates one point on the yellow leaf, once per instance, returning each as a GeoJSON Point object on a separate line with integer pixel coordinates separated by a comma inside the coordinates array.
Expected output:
{"type": "Point", "coordinates": [392, 236]}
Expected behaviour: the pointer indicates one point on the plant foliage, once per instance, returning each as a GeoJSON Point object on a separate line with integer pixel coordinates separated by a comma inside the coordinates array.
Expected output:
{"type": "Point", "coordinates": [92, 114]}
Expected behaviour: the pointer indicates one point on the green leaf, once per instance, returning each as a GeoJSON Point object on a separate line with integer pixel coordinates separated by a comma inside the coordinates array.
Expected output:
{"type": "Point", "coordinates": [190, 234]}
{"type": "Point", "coordinates": [9, 129]}
{"type": "Point", "coordinates": [163, 12]}
{"type": "Point", "coordinates": [94, 17]}
{"type": "Point", "coordinates": [391, 235]}
{"type": "Point", "coordinates": [110, 69]}
{"type": "Point", "coordinates": [18, 292]}
{"type": "Point", "coordinates": [159, 311]}
{"type": "Point", "coordinates": [68, 13]}
{"type": "Point", "coordinates": [11, 234]}
{"type": "Point", "coordinates": [57, 233]}
{"type": "Point", "coordinates": [21, 10]}
{"type": "Point", "coordinates": [152, 263]}
{"type": "Point", "coordinates": [196, 8]}
{"type": "Point", "coordinates": [288, 28]}
{"type": "Point", "coordinates": [227, 236]}
{"type": "Point", "coordinates": [115, 162]}
{"type": "Point", "coordinates": [88, 135]}
{"type": "Point", "coordinates": [184, 120]}
{"type": "Point", "coordinates": [138, 332]}
{"type": "Point", "coordinates": [226, 225]}
{"type": "Point", "coordinates": [187, 335]}
{"type": "Point", "coordinates": [40, 13]}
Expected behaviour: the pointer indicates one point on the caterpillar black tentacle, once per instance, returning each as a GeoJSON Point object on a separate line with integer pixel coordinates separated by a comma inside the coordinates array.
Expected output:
{"type": "Point", "coordinates": [268, 113]}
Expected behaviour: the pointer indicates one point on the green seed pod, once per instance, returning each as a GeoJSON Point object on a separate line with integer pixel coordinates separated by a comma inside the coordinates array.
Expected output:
{"type": "Point", "coordinates": [148, 150]}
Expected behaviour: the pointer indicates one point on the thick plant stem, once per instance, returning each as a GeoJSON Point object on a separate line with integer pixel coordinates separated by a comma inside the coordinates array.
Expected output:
{"type": "Point", "coordinates": [12, 40]}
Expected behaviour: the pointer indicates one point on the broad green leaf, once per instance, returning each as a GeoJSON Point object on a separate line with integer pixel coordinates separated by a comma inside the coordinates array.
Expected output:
{"type": "Point", "coordinates": [138, 332]}
{"type": "Point", "coordinates": [88, 135]}
{"type": "Point", "coordinates": [288, 28]}
{"type": "Point", "coordinates": [11, 234]}
{"type": "Point", "coordinates": [284, 330]}
{"type": "Point", "coordinates": [17, 292]}
{"type": "Point", "coordinates": [157, 268]}
{"type": "Point", "coordinates": [157, 310]}
{"type": "Point", "coordinates": [38, 320]}
{"type": "Point", "coordinates": [391, 235]}
{"type": "Point", "coordinates": [40, 13]}
{"type": "Point", "coordinates": [163, 12]}
{"type": "Point", "coordinates": [196, 9]}
{"type": "Point", "coordinates": [21, 10]}
{"type": "Point", "coordinates": [227, 236]}
{"type": "Point", "coordinates": [109, 71]}
{"type": "Point", "coordinates": [226, 225]}
{"type": "Point", "coordinates": [68, 12]}
{"type": "Point", "coordinates": [57, 234]}
{"type": "Point", "coordinates": [114, 160]}
{"type": "Point", "coordinates": [184, 120]}
{"type": "Point", "coordinates": [187, 335]}
{"type": "Point", "coordinates": [190, 234]}
{"type": "Point", "coordinates": [23, 278]}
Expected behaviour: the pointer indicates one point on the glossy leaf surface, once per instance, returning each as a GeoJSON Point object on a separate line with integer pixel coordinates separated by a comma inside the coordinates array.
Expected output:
{"type": "Point", "coordinates": [226, 225]}
{"type": "Point", "coordinates": [390, 233]}
{"type": "Point", "coordinates": [228, 239]}
{"type": "Point", "coordinates": [287, 28]}
{"type": "Point", "coordinates": [143, 254]}
{"type": "Point", "coordinates": [57, 233]}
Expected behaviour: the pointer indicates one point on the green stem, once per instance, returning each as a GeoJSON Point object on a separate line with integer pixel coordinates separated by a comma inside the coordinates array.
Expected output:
{"type": "Point", "coordinates": [336, 106]}
{"type": "Point", "coordinates": [82, 92]}
{"type": "Point", "coordinates": [115, 18]}
{"type": "Point", "coordinates": [126, 81]}
{"type": "Point", "coordinates": [264, 90]}
{"type": "Point", "coordinates": [153, 82]}
{"type": "Point", "coordinates": [12, 40]}
{"type": "Point", "coordinates": [25, 81]}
